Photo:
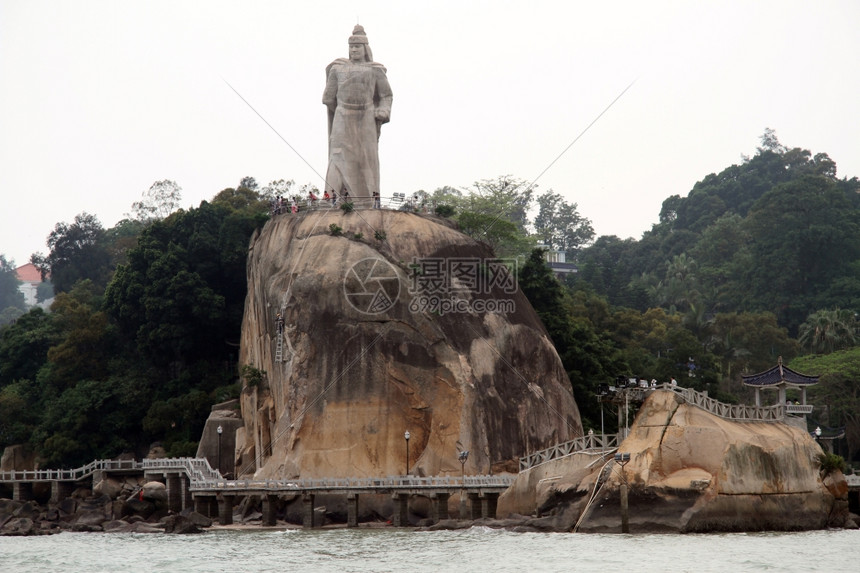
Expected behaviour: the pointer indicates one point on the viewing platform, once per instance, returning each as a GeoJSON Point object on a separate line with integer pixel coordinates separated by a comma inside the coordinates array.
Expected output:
{"type": "Point", "coordinates": [416, 202]}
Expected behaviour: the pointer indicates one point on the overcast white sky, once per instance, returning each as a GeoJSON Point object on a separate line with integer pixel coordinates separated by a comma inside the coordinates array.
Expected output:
{"type": "Point", "coordinates": [99, 99]}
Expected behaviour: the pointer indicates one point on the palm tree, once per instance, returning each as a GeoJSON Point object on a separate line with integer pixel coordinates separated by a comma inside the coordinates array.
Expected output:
{"type": "Point", "coordinates": [827, 330]}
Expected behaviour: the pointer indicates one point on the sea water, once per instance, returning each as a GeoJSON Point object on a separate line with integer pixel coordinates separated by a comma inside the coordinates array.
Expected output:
{"type": "Point", "coordinates": [388, 549]}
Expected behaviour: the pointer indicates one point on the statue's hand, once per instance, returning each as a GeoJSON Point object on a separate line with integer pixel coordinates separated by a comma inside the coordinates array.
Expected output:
{"type": "Point", "coordinates": [381, 115]}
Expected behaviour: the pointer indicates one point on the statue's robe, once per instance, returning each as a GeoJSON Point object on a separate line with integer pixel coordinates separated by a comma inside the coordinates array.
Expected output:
{"type": "Point", "coordinates": [353, 94]}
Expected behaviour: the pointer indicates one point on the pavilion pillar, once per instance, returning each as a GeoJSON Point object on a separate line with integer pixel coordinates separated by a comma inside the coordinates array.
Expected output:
{"type": "Point", "coordinates": [757, 397]}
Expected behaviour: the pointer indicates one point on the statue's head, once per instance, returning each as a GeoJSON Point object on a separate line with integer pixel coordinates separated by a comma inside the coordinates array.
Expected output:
{"type": "Point", "coordinates": [359, 48]}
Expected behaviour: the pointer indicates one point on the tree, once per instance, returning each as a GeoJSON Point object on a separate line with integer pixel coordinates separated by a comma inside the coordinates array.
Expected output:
{"type": "Point", "coordinates": [24, 346]}
{"type": "Point", "coordinates": [500, 234]}
{"type": "Point", "coordinates": [588, 357]}
{"type": "Point", "coordinates": [559, 225]}
{"type": "Point", "coordinates": [78, 252]}
{"type": "Point", "coordinates": [837, 394]}
{"type": "Point", "coordinates": [504, 198]}
{"type": "Point", "coordinates": [277, 188]}
{"type": "Point", "coordinates": [804, 234]}
{"type": "Point", "coordinates": [826, 331]}
{"type": "Point", "coordinates": [10, 296]}
{"type": "Point", "coordinates": [160, 200]}
{"type": "Point", "coordinates": [746, 342]}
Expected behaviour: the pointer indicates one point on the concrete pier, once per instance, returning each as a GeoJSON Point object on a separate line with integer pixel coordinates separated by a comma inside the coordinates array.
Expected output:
{"type": "Point", "coordinates": [269, 509]}
{"type": "Point", "coordinates": [206, 505]}
{"type": "Point", "coordinates": [489, 502]}
{"type": "Point", "coordinates": [22, 491]}
{"type": "Point", "coordinates": [173, 481]}
{"type": "Point", "coordinates": [401, 509]}
{"type": "Point", "coordinates": [352, 510]}
{"type": "Point", "coordinates": [439, 508]}
{"type": "Point", "coordinates": [475, 505]}
{"type": "Point", "coordinates": [225, 509]}
{"type": "Point", "coordinates": [60, 490]}
{"type": "Point", "coordinates": [308, 510]}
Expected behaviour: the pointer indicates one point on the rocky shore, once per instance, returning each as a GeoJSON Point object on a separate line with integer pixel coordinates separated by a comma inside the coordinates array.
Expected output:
{"type": "Point", "coordinates": [111, 506]}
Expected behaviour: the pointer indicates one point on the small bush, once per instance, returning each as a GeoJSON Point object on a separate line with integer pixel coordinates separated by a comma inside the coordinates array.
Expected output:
{"type": "Point", "coordinates": [347, 207]}
{"type": "Point", "coordinates": [335, 230]}
{"type": "Point", "coordinates": [829, 463]}
{"type": "Point", "coordinates": [358, 236]}
{"type": "Point", "coordinates": [253, 376]}
{"type": "Point", "coordinates": [380, 235]}
{"type": "Point", "coordinates": [445, 210]}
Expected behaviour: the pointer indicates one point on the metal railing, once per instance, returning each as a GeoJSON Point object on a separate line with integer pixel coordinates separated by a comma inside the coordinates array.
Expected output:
{"type": "Point", "coordinates": [590, 442]}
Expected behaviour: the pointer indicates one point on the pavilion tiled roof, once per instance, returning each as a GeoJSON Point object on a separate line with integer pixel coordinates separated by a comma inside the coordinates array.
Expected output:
{"type": "Point", "coordinates": [779, 374]}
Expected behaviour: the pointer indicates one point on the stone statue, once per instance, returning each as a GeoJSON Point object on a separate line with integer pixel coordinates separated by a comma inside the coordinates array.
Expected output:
{"type": "Point", "coordinates": [358, 98]}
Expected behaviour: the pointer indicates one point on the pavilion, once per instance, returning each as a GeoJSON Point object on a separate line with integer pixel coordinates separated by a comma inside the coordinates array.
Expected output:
{"type": "Point", "coordinates": [781, 377]}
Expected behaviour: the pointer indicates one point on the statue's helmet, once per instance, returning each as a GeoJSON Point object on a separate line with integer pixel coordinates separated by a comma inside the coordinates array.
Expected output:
{"type": "Point", "coordinates": [360, 37]}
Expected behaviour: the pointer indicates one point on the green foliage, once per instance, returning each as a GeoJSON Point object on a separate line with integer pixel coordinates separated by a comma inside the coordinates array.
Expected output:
{"type": "Point", "coordinates": [588, 356]}
{"type": "Point", "coordinates": [380, 236]}
{"type": "Point", "coordinates": [347, 207]}
{"type": "Point", "coordinates": [828, 330]}
{"type": "Point", "coordinates": [358, 236]}
{"type": "Point", "coordinates": [252, 376]}
{"type": "Point", "coordinates": [445, 210]}
{"type": "Point", "coordinates": [335, 230]}
{"type": "Point", "coordinates": [559, 225]}
{"type": "Point", "coordinates": [500, 234]}
{"type": "Point", "coordinates": [10, 296]}
{"type": "Point", "coordinates": [78, 252]}
{"type": "Point", "coordinates": [160, 200]}
{"type": "Point", "coordinates": [837, 394]}
{"type": "Point", "coordinates": [829, 463]}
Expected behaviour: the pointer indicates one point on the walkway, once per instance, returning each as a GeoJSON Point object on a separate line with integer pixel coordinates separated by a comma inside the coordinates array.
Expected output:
{"type": "Point", "coordinates": [608, 443]}
{"type": "Point", "coordinates": [193, 482]}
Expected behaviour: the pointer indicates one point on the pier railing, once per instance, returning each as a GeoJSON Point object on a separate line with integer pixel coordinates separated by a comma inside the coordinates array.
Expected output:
{"type": "Point", "coordinates": [351, 484]}
{"type": "Point", "coordinates": [591, 442]}
{"type": "Point", "coordinates": [195, 468]}
{"type": "Point", "coordinates": [738, 412]}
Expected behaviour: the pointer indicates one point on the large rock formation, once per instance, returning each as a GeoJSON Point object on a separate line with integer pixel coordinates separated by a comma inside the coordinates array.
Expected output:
{"type": "Point", "coordinates": [363, 361]}
{"type": "Point", "coordinates": [689, 471]}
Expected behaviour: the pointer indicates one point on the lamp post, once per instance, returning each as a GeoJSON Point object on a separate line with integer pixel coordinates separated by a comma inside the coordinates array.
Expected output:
{"type": "Point", "coordinates": [407, 435]}
{"type": "Point", "coordinates": [220, 431]}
